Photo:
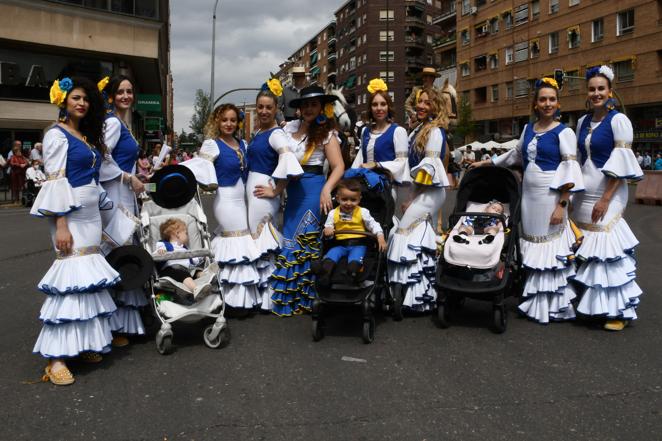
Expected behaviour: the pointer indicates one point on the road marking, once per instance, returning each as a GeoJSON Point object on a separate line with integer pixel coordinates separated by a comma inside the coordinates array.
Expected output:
{"type": "Point", "coordinates": [353, 360]}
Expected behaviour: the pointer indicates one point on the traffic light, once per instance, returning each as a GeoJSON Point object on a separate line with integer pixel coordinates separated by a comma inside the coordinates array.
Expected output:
{"type": "Point", "coordinates": [559, 75]}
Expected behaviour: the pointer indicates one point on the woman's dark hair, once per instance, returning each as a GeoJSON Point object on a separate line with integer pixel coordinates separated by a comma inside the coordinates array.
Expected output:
{"type": "Point", "coordinates": [318, 132]}
{"type": "Point", "coordinates": [91, 126]}
{"type": "Point", "coordinates": [269, 94]}
{"type": "Point", "coordinates": [142, 154]}
{"type": "Point", "coordinates": [389, 103]}
{"type": "Point", "coordinates": [114, 84]}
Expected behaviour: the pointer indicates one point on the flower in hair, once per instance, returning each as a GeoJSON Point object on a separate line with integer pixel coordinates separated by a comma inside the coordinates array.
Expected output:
{"type": "Point", "coordinates": [606, 71]}
{"type": "Point", "coordinates": [57, 93]}
{"type": "Point", "coordinates": [103, 83]}
{"type": "Point", "coordinates": [328, 110]}
{"type": "Point", "coordinates": [321, 119]}
{"type": "Point", "coordinates": [377, 85]}
{"type": "Point", "coordinates": [275, 87]}
{"type": "Point", "coordinates": [66, 84]}
{"type": "Point", "coordinates": [547, 81]}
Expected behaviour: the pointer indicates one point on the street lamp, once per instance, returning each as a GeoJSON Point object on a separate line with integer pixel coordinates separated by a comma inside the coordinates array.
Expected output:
{"type": "Point", "coordinates": [213, 54]}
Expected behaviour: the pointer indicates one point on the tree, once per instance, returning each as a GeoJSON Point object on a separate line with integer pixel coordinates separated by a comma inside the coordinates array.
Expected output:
{"type": "Point", "coordinates": [200, 112]}
{"type": "Point", "coordinates": [465, 124]}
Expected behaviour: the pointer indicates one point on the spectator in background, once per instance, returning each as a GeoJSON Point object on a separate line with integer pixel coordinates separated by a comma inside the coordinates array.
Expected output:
{"type": "Point", "coordinates": [647, 161]}
{"type": "Point", "coordinates": [640, 159]}
{"type": "Point", "coordinates": [291, 92]}
{"type": "Point", "coordinates": [156, 151]}
{"type": "Point", "coordinates": [35, 174]}
{"type": "Point", "coordinates": [495, 154]}
{"type": "Point", "coordinates": [35, 153]}
{"type": "Point", "coordinates": [469, 157]}
{"type": "Point", "coordinates": [658, 162]}
{"type": "Point", "coordinates": [484, 156]}
{"type": "Point", "coordinates": [144, 167]}
{"type": "Point", "coordinates": [18, 164]}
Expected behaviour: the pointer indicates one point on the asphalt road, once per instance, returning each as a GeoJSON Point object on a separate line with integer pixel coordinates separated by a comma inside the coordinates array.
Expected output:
{"type": "Point", "coordinates": [415, 382]}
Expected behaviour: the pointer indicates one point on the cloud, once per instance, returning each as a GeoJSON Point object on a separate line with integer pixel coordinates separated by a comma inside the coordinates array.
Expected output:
{"type": "Point", "coordinates": [252, 38]}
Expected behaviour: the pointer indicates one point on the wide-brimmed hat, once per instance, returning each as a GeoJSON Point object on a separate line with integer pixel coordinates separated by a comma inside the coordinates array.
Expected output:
{"type": "Point", "coordinates": [312, 92]}
{"type": "Point", "coordinates": [134, 264]}
{"type": "Point", "coordinates": [298, 70]}
{"type": "Point", "coordinates": [175, 186]}
{"type": "Point", "coordinates": [430, 71]}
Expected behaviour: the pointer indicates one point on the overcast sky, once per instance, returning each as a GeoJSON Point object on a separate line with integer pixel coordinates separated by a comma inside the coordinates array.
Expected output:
{"type": "Point", "coordinates": [252, 38]}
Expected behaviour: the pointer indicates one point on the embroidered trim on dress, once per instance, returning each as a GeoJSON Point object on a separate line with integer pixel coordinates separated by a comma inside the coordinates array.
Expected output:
{"type": "Point", "coordinates": [568, 157]}
{"type": "Point", "coordinates": [432, 154]}
{"type": "Point", "coordinates": [600, 228]}
{"type": "Point", "coordinates": [544, 239]}
{"type": "Point", "coordinates": [236, 233]}
{"type": "Point", "coordinates": [265, 221]}
{"type": "Point", "coordinates": [55, 175]}
{"type": "Point", "coordinates": [622, 145]}
{"type": "Point", "coordinates": [77, 252]}
{"type": "Point", "coordinates": [406, 230]}
{"type": "Point", "coordinates": [399, 155]}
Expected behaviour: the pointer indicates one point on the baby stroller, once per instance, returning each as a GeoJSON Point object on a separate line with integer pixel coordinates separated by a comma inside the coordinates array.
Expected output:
{"type": "Point", "coordinates": [367, 290]}
{"type": "Point", "coordinates": [29, 193]}
{"type": "Point", "coordinates": [482, 271]}
{"type": "Point", "coordinates": [169, 303]}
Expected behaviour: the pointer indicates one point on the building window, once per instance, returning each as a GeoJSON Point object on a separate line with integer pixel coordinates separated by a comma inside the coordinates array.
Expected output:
{"type": "Point", "coordinates": [553, 6]}
{"type": "Point", "coordinates": [386, 56]}
{"type": "Point", "coordinates": [386, 14]}
{"type": "Point", "coordinates": [465, 69]}
{"type": "Point", "coordinates": [624, 71]}
{"type": "Point", "coordinates": [495, 93]}
{"type": "Point", "coordinates": [509, 55]}
{"type": "Point", "coordinates": [365, 58]}
{"type": "Point", "coordinates": [625, 22]}
{"type": "Point", "coordinates": [598, 30]}
{"type": "Point", "coordinates": [535, 9]}
{"type": "Point", "coordinates": [429, 19]}
{"type": "Point", "coordinates": [391, 76]}
{"type": "Point", "coordinates": [493, 61]}
{"type": "Point", "coordinates": [553, 42]}
{"type": "Point", "coordinates": [466, 7]}
{"type": "Point", "coordinates": [507, 19]}
{"type": "Point", "coordinates": [392, 95]}
{"type": "Point", "coordinates": [365, 36]}
{"type": "Point", "coordinates": [573, 37]}
{"type": "Point", "coordinates": [481, 95]}
{"type": "Point", "coordinates": [521, 14]}
{"type": "Point", "coordinates": [481, 30]}
{"type": "Point", "coordinates": [521, 88]}
{"type": "Point", "coordinates": [480, 63]}
{"type": "Point", "coordinates": [572, 81]}
{"type": "Point", "coordinates": [386, 35]}
{"type": "Point", "coordinates": [573, 2]}
{"type": "Point", "coordinates": [494, 25]}
{"type": "Point", "coordinates": [535, 48]}
{"type": "Point", "coordinates": [465, 37]}
{"type": "Point", "coordinates": [521, 51]}
{"type": "Point", "coordinates": [509, 90]}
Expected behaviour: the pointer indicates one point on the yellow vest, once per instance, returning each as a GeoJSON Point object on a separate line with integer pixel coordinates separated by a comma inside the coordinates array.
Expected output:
{"type": "Point", "coordinates": [356, 224]}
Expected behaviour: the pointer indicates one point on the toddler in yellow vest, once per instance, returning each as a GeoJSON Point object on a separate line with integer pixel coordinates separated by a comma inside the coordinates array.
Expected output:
{"type": "Point", "coordinates": [348, 216]}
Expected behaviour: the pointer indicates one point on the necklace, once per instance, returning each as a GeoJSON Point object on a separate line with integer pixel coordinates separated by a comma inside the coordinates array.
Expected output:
{"type": "Point", "coordinates": [239, 153]}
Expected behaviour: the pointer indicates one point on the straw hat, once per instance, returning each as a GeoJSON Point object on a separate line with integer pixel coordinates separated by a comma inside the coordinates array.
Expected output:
{"type": "Point", "coordinates": [430, 71]}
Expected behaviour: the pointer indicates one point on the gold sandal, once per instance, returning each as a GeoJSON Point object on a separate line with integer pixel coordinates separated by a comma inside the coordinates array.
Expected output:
{"type": "Point", "coordinates": [616, 325]}
{"type": "Point", "coordinates": [90, 357]}
{"type": "Point", "coordinates": [62, 377]}
{"type": "Point", "coordinates": [119, 341]}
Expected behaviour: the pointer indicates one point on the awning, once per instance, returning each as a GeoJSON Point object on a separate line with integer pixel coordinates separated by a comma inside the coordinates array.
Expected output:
{"type": "Point", "coordinates": [350, 81]}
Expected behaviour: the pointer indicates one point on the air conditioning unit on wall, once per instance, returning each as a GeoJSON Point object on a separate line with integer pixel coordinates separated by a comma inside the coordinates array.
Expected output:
{"type": "Point", "coordinates": [474, 10]}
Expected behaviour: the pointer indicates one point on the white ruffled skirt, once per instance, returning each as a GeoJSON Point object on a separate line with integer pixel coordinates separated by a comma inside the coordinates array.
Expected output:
{"type": "Point", "coordinates": [234, 248]}
{"type": "Point", "coordinates": [607, 268]}
{"type": "Point", "coordinates": [119, 227]}
{"type": "Point", "coordinates": [76, 312]}
{"type": "Point", "coordinates": [412, 248]}
{"type": "Point", "coordinates": [262, 215]}
{"type": "Point", "coordinates": [547, 251]}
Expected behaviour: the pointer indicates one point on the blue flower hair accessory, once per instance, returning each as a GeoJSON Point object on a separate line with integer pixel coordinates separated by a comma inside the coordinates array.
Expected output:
{"type": "Point", "coordinates": [66, 84]}
{"type": "Point", "coordinates": [321, 119]}
{"type": "Point", "coordinates": [600, 70]}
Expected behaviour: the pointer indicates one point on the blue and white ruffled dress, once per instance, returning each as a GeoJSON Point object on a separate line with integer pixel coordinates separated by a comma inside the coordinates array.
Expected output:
{"type": "Point", "coordinates": [76, 312]}
{"type": "Point", "coordinates": [549, 161]}
{"type": "Point", "coordinates": [606, 255]}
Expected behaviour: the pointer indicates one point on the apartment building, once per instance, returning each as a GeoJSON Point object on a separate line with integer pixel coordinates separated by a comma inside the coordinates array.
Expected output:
{"type": "Point", "coordinates": [444, 45]}
{"type": "Point", "coordinates": [41, 40]}
{"type": "Point", "coordinates": [504, 46]}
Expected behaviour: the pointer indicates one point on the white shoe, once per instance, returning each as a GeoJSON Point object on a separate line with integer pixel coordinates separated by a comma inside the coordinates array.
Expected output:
{"type": "Point", "coordinates": [176, 284]}
{"type": "Point", "coordinates": [201, 290]}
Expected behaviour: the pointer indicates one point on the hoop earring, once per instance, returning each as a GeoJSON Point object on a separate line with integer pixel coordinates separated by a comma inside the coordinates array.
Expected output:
{"type": "Point", "coordinates": [63, 115]}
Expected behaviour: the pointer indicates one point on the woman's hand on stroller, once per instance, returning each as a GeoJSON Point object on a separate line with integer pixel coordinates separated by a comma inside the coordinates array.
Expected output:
{"type": "Point", "coordinates": [328, 232]}
{"type": "Point", "coordinates": [381, 242]}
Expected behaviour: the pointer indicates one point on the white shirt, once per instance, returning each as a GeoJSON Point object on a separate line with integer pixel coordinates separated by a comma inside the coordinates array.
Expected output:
{"type": "Point", "coordinates": [186, 263]}
{"type": "Point", "coordinates": [35, 155]}
{"type": "Point", "coordinates": [35, 175]}
{"type": "Point", "coordinates": [368, 221]}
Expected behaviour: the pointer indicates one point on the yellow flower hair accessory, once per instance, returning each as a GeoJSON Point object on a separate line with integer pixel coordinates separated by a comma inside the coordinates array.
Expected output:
{"type": "Point", "coordinates": [549, 81]}
{"type": "Point", "coordinates": [103, 83]}
{"type": "Point", "coordinates": [328, 110]}
{"type": "Point", "coordinates": [377, 85]}
{"type": "Point", "coordinates": [59, 90]}
{"type": "Point", "coordinates": [275, 86]}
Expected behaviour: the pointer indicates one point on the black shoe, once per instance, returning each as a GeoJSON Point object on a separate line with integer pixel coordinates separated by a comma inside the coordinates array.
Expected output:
{"type": "Point", "coordinates": [354, 270]}
{"type": "Point", "coordinates": [459, 238]}
{"type": "Point", "coordinates": [487, 239]}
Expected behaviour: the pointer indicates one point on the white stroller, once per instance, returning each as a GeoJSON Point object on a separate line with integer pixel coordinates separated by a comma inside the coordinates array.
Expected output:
{"type": "Point", "coordinates": [169, 303]}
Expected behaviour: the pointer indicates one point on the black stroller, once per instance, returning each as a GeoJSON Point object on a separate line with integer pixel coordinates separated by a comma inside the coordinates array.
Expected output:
{"type": "Point", "coordinates": [29, 193]}
{"type": "Point", "coordinates": [367, 291]}
{"type": "Point", "coordinates": [489, 272]}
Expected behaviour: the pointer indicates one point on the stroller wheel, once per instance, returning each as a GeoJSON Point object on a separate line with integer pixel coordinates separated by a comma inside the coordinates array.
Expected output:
{"type": "Point", "coordinates": [441, 315]}
{"type": "Point", "coordinates": [369, 330]}
{"type": "Point", "coordinates": [398, 299]}
{"type": "Point", "coordinates": [164, 345]}
{"type": "Point", "coordinates": [221, 340]}
{"type": "Point", "coordinates": [499, 319]}
{"type": "Point", "coordinates": [318, 332]}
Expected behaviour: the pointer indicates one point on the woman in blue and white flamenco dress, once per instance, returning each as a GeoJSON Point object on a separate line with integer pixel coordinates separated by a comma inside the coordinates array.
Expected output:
{"type": "Point", "coordinates": [314, 140]}
{"type": "Point", "coordinates": [270, 163]}
{"type": "Point", "coordinates": [385, 144]}
{"type": "Point", "coordinates": [607, 266]}
{"type": "Point", "coordinates": [412, 246]}
{"type": "Point", "coordinates": [118, 178]}
{"type": "Point", "coordinates": [77, 309]}
{"type": "Point", "coordinates": [547, 151]}
{"type": "Point", "coordinates": [222, 163]}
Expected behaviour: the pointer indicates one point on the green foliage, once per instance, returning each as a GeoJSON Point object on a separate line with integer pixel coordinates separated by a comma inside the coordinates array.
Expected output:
{"type": "Point", "coordinates": [201, 112]}
{"type": "Point", "coordinates": [465, 124]}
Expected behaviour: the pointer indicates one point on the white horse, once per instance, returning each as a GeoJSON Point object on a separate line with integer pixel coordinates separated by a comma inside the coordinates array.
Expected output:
{"type": "Point", "coordinates": [345, 115]}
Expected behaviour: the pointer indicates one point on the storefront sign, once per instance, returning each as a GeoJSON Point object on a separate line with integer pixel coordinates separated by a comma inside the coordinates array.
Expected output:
{"type": "Point", "coordinates": [658, 123]}
{"type": "Point", "coordinates": [148, 103]}
{"type": "Point", "coordinates": [648, 136]}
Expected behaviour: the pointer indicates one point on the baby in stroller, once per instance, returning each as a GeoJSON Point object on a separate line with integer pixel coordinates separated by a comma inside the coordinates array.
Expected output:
{"type": "Point", "coordinates": [489, 226]}
{"type": "Point", "coordinates": [341, 222]}
{"type": "Point", "coordinates": [174, 235]}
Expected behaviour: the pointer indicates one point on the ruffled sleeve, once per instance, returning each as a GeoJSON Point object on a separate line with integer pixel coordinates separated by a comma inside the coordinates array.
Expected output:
{"type": "Point", "coordinates": [202, 165]}
{"type": "Point", "coordinates": [111, 135]}
{"type": "Point", "coordinates": [430, 171]}
{"type": "Point", "coordinates": [56, 197]}
{"type": "Point", "coordinates": [622, 164]}
{"type": "Point", "coordinates": [399, 167]}
{"type": "Point", "coordinates": [288, 166]}
{"type": "Point", "coordinates": [568, 174]}
{"type": "Point", "coordinates": [513, 156]}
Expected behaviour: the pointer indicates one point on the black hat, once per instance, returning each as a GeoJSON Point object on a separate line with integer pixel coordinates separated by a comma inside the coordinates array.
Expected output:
{"type": "Point", "coordinates": [175, 186]}
{"type": "Point", "coordinates": [312, 92]}
{"type": "Point", "coordinates": [134, 264]}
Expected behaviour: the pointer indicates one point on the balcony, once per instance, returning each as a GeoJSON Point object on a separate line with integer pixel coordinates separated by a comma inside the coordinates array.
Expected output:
{"type": "Point", "coordinates": [414, 20]}
{"type": "Point", "coordinates": [442, 42]}
{"type": "Point", "coordinates": [415, 41]}
{"type": "Point", "coordinates": [415, 61]}
{"type": "Point", "coordinates": [331, 40]}
{"type": "Point", "coordinates": [412, 2]}
{"type": "Point", "coordinates": [332, 57]}
{"type": "Point", "coordinates": [445, 15]}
